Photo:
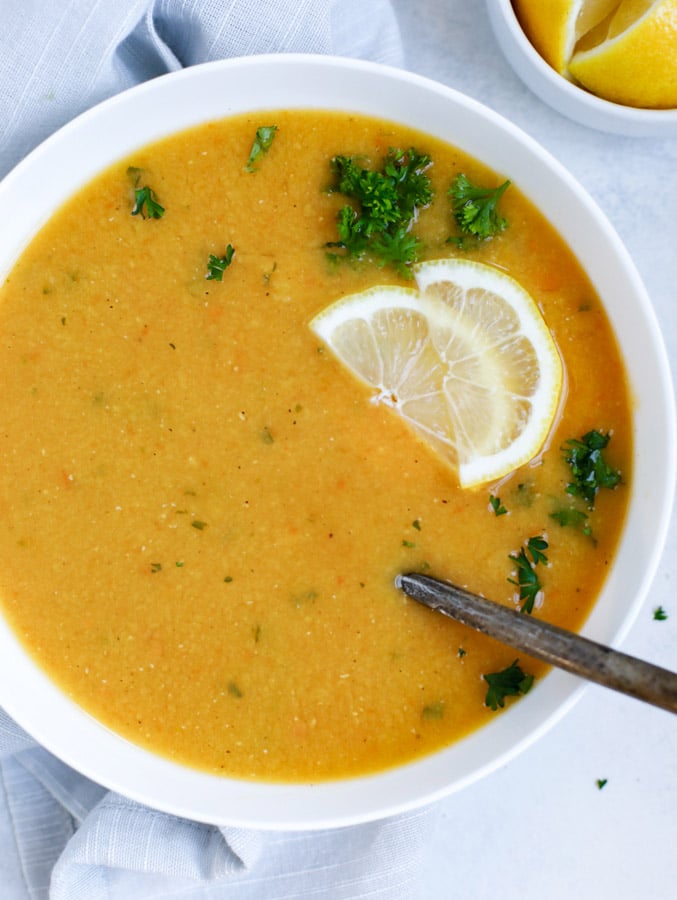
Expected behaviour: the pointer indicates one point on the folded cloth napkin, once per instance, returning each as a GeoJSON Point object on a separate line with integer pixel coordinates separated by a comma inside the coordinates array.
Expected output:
{"type": "Point", "coordinates": [61, 835]}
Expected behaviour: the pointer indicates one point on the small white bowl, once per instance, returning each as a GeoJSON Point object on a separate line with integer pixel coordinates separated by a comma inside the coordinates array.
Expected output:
{"type": "Point", "coordinates": [566, 97]}
{"type": "Point", "coordinates": [113, 130]}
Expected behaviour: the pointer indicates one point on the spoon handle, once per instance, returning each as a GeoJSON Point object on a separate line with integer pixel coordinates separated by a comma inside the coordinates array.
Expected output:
{"type": "Point", "coordinates": [542, 640]}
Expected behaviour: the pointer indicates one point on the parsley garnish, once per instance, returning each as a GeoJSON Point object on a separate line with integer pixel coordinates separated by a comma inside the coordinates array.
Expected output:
{"type": "Point", "coordinates": [528, 581]}
{"type": "Point", "coordinates": [433, 710]}
{"type": "Point", "coordinates": [386, 205]}
{"type": "Point", "coordinates": [262, 141]}
{"type": "Point", "coordinates": [217, 265]}
{"type": "Point", "coordinates": [660, 614]}
{"type": "Point", "coordinates": [601, 782]}
{"type": "Point", "coordinates": [146, 204]}
{"type": "Point", "coordinates": [509, 682]}
{"type": "Point", "coordinates": [475, 208]}
{"type": "Point", "coordinates": [589, 469]}
{"type": "Point", "coordinates": [568, 516]}
{"type": "Point", "coordinates": [497, 506]}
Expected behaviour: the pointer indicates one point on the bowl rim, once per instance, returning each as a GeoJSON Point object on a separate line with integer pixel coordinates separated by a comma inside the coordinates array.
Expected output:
{"type": "Point", "coordinates": [95, 751]}
{"type": "Point", "coordinates": [565, 96]}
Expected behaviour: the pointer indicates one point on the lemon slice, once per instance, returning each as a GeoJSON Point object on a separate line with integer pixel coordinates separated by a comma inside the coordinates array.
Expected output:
{"type": "Point", "coordinates": [466, 359]}
{"type": "Point", "coordinates": [632, 57]}
{"type": "Point", "coordinates": [555, 27]}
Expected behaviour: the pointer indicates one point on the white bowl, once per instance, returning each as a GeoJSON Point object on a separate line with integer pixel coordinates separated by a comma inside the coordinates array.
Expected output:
{"type": "Point", "coordinates": [564, 96]}
{"type": "Point", "coordinates": [114, 129]}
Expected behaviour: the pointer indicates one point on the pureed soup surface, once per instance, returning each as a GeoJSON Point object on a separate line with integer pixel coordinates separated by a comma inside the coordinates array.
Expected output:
{"type": "Point", "coordinates": [202, 513]}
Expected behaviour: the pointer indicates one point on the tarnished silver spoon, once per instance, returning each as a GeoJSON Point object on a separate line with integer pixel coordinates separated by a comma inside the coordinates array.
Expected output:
{"type": "Point", "coordinates": [539, 639]}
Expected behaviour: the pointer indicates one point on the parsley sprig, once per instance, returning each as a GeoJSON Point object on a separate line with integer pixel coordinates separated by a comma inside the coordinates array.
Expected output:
{"type": "Point", "coordinates": [384, 208]}
{"type": "Point", "coordinates": [589, 469]}
{"type": "Point", "coordinates": [509, 682]}
{"type": "Point", "coordinates": [262, 143]}
{"type": "Point", "coordinates": [217, 265]}
{"type": "Point", "coordinates": [146, 204]}
{"type": "Point", "coordinates": [475, 208]}
{"type": "Point", "coordinates": [528, 582]}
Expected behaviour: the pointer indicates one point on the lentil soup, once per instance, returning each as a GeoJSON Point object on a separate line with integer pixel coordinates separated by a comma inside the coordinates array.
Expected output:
{"type": "Point", "coordinates": [203, 513]}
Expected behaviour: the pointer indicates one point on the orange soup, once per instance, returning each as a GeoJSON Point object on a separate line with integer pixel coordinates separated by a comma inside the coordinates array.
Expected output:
{"type": "Point", "coordinates": [202, 513]}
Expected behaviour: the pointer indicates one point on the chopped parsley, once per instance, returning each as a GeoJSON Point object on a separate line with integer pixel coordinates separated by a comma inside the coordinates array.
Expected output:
{"type": "Point", "coordinates": [528, 581]}
{"type": "Point", "coordinates": [589, 469]}
{"type": "Point", "coordinates": [601, 782]}
{"type": "Point", "coordinates": [569, 516]}
{"type": "Point", "coordinates": [234, 689]}
{"type": "Point", "coordinates": [475, 208]}
{"type": "Point", "coordinates": [509, 682]}
{"type": "Point", "coordinates": [660, 614]}
{"type": "Point", "coordinates": [217, 265]}
{"type": "Point", "coordinates": [433, 710]}
{"type": "Point", "coordinates": [385, 205]}
{"type": "Point", "coordinates": [146, 204]}
{"type": "Point", "coordinates": [263, 140]}
{"type": "Point", "coordinates": [497, 506]}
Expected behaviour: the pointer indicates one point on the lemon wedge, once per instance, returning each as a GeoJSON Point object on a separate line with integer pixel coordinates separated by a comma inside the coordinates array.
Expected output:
{"type": "Point", "coordinates": [631, 58]}
{"type": "Point", "coordinates": [466, 359]}
{"type": "Point", "coordinates": [556, 26]}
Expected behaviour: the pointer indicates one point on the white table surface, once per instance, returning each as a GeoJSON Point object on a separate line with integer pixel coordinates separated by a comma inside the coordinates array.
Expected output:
{"type": "Point", "coordinates": [540, 827]}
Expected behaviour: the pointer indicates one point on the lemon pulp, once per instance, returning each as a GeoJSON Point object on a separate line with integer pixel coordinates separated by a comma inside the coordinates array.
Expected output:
{"type": "Point", "coordinates": [466, 359]}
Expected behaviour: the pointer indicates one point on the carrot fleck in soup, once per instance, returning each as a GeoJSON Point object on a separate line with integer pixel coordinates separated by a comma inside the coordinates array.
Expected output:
{"type": "Point", "coordinates": [202, 509]}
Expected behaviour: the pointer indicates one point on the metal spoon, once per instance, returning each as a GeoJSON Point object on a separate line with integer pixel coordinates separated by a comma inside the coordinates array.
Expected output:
{"type": "Point", "coordinates": [542, 640]}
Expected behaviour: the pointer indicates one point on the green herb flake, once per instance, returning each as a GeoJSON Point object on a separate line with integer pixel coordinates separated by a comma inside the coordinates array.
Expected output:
{"type": "Point", "coordinates": [156, 567]}
{"type": "Point", "coordinates": [416, 524]}
{"type": "Point", "coordinates": [134, 174]}
{"type": "Point", "coordinates": [660, 614]}
{"type": "Point", "coordinates": [304, 597]}
{"type": "Point", "coordinates": [536, 546]}
{"type": "Point", "coordinates": [228, 579]}
{"type": "Point", "coordinates": [461, 652]}
{"type": "Point", "coordinates": [569, 517]}
{"type": "Point", "coordinates": [267, 435]}
{"type": "Point", "coordinates": [475, 208]}
{"type": "Point", "coordinates": [146, 204]}
{"type": "Point", "coordinates": [196, 523]}
{"type": "Point", "coordinates": [589, 469]}
{"type": "Point", "coordinates": [265, 135]}
{"type": "Point", "coordinates": [509, 682]}
{"type": "Point", "coordinates": [234, 690]}
{"type": "Point", "coordinates": [217, 265]}
{"type": "Point", "coordinates": [497, 506]}
{"type": "Point", "coordinates": [527, 580]}
{"type": "Point", "coordinates": [601, 782]}
{"type": "Point", "coordinates": [409, 544]}
{"type": "Point", "coordinates": [525, 494]}
{"type": "Point", "coordinates": [433, 710]}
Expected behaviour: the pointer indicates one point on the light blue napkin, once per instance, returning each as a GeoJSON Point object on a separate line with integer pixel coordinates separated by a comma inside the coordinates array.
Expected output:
{"type": "Point", "coordinates": [61, 835]}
